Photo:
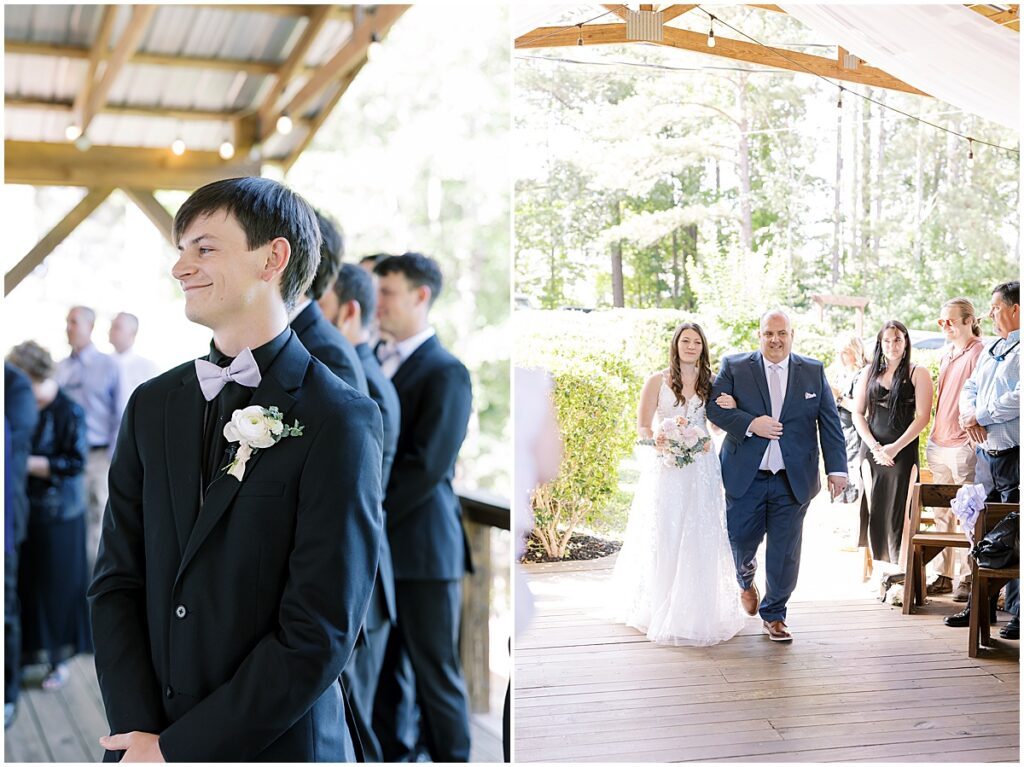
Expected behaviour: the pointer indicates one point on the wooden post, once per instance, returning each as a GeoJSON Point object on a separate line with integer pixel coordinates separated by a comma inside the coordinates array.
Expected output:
{"type": "Point", "coordinates": [474, 636]}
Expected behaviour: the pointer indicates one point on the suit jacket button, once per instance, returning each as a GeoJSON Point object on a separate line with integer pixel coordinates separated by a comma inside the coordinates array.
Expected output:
{"type": "Point", "coordinates": [169, 691]}
{"type": "Point", "coordinates": [180, 611]}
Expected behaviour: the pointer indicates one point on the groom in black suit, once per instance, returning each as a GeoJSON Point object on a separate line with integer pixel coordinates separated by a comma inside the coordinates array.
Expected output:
{"type": "Point", "coordinates": [424, 517]}
{"type": "Point", "coordinates": [224, 609]}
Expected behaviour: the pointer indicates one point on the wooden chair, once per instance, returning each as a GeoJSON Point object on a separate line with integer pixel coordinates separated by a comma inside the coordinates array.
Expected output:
{"type": "Point", "coordinates": [986, 581]}
{"type": "Point", "coordinates": [922, 547]}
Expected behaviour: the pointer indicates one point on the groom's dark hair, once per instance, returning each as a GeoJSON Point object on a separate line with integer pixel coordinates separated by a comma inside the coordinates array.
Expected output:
{"type": "Point", "coordinates": [265, 210]}
{"type": "Point", "coordinates": [417, 268]}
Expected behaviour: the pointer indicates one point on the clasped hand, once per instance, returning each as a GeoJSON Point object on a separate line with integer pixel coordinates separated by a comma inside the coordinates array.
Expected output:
{"type": "Point", "coordinates": [137, 746]}
{"type": "Point", "coordinates": [884, 455]}
{"type": "Point", "coordinates": [763, 426]}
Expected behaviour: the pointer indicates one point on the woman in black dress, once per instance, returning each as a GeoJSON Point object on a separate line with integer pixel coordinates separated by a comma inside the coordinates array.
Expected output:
{"type": "Point", "coordinates": [53, 574]}
{"type": "Point", "coordinates": [892, 405]}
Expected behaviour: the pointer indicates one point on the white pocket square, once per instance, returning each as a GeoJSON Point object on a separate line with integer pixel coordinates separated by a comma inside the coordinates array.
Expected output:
{"type": "Point", "coordinates": [809, 395]}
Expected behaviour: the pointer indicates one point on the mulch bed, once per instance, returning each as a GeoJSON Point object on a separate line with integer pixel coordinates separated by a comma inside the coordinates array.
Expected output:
{"type": "Point", "coordinates": [581, 547]}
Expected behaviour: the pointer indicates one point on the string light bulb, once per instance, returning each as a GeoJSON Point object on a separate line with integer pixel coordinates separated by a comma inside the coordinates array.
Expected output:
{"type": "Point", "coordinates": [711, 33]}
{"type": "Point", "coordinates": [178, 146]}
{"type": "Point", "coordinates": [227, 150]}
{"type": "Point", "coordinates": [373, 49]}
{"type": "Point", "coordinates": [284, 124]}
{"type": "Point", "coordinates": [970, 151]}
{"type": "Point", "coordinates": [839, 101]}
{"type": "Point", "coordinates": [72, 132]}
{"type": "Point", "coordinates": [579, 39]}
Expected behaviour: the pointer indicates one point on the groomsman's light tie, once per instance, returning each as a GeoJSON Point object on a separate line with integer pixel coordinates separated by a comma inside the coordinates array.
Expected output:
{"type": "Point", "coordinates": [775, 463]}
{"type": "Point", "coordinates": [242, 370]}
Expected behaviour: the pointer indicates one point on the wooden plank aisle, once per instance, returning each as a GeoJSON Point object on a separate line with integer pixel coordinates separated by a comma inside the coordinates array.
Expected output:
{"type": "Point", "coordinates": [861, 682]}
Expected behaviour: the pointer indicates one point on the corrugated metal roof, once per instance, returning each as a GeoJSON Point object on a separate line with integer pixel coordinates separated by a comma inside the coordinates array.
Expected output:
{"type": "Point", "coordinates": [178, 31]}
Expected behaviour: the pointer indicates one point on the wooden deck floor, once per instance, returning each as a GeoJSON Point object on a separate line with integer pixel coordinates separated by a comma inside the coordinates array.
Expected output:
{"type": "Point", "coordinates": [860, 682]}
{"type": "Point", "coordinates": [64, 726]}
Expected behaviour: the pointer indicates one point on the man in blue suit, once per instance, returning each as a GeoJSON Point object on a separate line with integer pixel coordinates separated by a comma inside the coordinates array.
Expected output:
{"type": "Point", "coordinates": [784, 407]}
{"type": "Point", "coordinates": [422, 512]}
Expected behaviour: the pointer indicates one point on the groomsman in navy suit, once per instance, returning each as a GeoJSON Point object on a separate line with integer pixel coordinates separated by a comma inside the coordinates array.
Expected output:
{"type": "Point", "coordinates": [424, 517]}
{"type": "Point", "coordinates": [784, 406]}
{"type": "Point", "coordinates": [225, 604]}
{"type": "Point", "coordinates": [351, 305]}
{"type": "Point", "coordinates": [316, 333]}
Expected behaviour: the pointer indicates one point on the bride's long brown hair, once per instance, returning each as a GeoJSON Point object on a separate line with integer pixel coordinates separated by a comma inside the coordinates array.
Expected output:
{"type": "Point", "coordinates": [675, 373]}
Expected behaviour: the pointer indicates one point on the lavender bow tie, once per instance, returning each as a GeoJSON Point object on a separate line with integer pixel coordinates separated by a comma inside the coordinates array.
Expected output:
{"type": "Point", "coordinates": [242, 370]}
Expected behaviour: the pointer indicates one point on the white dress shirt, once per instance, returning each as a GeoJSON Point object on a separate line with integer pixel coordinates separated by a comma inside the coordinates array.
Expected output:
{"type": "Point", "coordinates": [393, 354]}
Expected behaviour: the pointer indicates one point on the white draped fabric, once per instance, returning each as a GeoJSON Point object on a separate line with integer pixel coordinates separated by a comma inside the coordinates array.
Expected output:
{"type": "Point", "coordinates": [948, 51]}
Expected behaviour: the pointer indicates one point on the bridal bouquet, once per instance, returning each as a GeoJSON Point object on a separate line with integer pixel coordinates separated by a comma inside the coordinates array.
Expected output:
{"type": "Point", "coordinates": [679, 442]}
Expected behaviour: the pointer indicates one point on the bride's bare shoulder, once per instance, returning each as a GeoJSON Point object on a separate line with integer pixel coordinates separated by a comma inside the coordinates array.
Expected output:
{"type": "Point", "coordinates": [655, 380]}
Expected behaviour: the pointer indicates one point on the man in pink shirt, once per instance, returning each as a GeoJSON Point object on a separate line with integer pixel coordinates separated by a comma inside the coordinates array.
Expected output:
{"type": "Point", "coordinates": [949, 451]}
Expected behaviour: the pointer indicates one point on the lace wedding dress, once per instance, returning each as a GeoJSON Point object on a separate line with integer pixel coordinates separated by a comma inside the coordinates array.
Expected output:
{"type": "Point", "coordinates": [674, 578]}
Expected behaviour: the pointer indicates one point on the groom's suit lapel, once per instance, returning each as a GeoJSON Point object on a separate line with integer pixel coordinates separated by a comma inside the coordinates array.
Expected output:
{"type": "Point", "coordinates": [276, 388]}
{"type": "Point", "coordinates": [757, 371]}
{"type": "Point", "coordinates": [183, 444]}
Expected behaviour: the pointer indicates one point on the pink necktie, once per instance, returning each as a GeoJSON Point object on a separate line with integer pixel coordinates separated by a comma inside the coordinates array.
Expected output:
{"type": "Point", "coordinates": [775, 463]}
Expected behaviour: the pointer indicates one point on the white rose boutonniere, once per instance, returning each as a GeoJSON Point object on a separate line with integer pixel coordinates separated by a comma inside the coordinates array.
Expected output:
{"type": "Point", "coordinates": [255, 428]}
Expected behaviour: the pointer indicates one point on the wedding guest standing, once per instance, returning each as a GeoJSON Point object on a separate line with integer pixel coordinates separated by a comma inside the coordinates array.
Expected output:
{"type": "Point", "coordinates": [990, 413]}
{"type": "Point", "coordinates": [135, 369]}
{"type": "Point", "coordinates": [350, 305]}
{"type": "Point", "coordinates": [949, 451]}
{"type": "Point", "coordinates": [20, 417]}
{"type": "Point", "coordinates": [423, 514]}
{"type": "Point", "coordinates": [849, 364]}
{"type": "Point", "coordinates": [892, 405]}
{"type": "Point", "coordinates": [53, 574]}
{"type": "Point", "coordinates": [317, 334]}
{"type": "Point", "coordinates": [92, 379]}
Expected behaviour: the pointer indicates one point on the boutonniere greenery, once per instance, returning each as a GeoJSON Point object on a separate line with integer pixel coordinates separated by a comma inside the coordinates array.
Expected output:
{"type": "Point", "coordinates": [255, 428]}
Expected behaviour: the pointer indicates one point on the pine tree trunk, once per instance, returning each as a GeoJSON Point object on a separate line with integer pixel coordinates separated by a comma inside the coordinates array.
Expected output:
{"type": "Point", "coordinates": [919, 197]}
{"type": "Point", "coordinates": [618, 292]}
{"type": "Point", "coordinates": [877, 187]}
{"type": "Point", "coordinates": [675, 268]}
{"type": "Point", "coordinates": [837, 206]}
{"type": "Point", "coordinates": [865, 191]}
{"type": "Point", "coordinates": [746, 222]}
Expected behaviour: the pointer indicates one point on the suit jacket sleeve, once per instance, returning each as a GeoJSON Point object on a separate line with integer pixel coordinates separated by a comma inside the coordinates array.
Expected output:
{"type": "Point", "coordinates": [734, 420]}
{"type": "Point", "coordinates": [129, 686]}
{"type": "Point", "coordinates": [830, 431]}
{"type": "Point", "coordinates": [331, 571]}
{"type": "Point", "coordinates": [436, 434]}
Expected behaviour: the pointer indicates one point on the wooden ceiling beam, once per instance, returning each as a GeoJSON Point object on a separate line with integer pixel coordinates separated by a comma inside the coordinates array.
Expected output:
{"type": "Point", "coordinates": [92, 200]}
{"type": "Point", "coordinates": [675, 11]}
{"type": "Point", "coordinates": [25, 48]}
{"type": "Point", "coordinates": [129, 42]}
{"type": "Point", "coordinates": [100, 48]}
{"type": "Point", "coordinates": [317, 20]}
{"type": "Point", "coordinates": [340, 64]}
{"type": "Point", "coordinates": [335, 11]}
{"type": "Point", "coordinates": [154, 211]}
{"type": "Point", "coordinates": [318, 121]}
{"type": "Point", "coordinates": [683, 39]}
{"type": "Point", "coordinates": [1009, 18]}
{"type": "Point", "coordinates": [124, 109]}
{"type": "Point", "coordinates": [50, 164]}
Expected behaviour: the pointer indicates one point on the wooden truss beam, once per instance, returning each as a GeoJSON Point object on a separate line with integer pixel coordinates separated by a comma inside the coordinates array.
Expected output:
{"type": "Point", "coordinates": [124, 109]}
{"type": "Point", "coordinates": [316, 122]}
{"type": "Point", "coordinates": [1010, 18]}
{"type": "Point", "coordinates": [335, 11]}
{"type": "Point", "coordinates": [344, 61]}
{"type": "Point", "coordinates": [129, 42]}
{"type": "Point", "coordinates": [92, 200]}
{"type": "Point", "coordinates": [293, 63]}
{"type": "Point", "coordinates": [99, 52]}
{"type": "Point", "coordinates": [26, 48]}
{"type": "Point", "coordinates": [52, 164]}
{"type": "Point", "coordinates": [155, 212]}
{"type": "Point", "coordinates": [683, 39]}
{"type": "Point", "coordinates": [621, 11]}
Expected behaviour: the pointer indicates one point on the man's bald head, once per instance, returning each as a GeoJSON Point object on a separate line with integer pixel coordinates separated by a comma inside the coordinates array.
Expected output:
{"type": "Point", "coordinates": [775, 335]}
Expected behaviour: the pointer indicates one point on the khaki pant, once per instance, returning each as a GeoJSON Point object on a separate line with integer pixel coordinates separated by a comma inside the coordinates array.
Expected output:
{"type": "Point", "coordinates": [96, 469]}
{"type": "Point", "coordinates": [950, 466]}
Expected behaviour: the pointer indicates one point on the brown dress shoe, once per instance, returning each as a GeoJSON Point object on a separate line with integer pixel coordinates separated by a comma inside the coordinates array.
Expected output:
{"type": "Point", "coordinates": [750, 599]}
{"type": "Point", "coordinates": [776, 631]}
{"type": "Point", "coordinates": [941, 585]}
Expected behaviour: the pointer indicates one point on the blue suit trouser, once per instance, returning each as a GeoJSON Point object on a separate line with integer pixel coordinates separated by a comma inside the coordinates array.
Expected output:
{"type": "Point", "coordinates": [767, 508]}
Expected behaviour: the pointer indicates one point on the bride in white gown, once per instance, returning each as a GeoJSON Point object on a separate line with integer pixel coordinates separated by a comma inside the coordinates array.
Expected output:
{"type": "Point", "coordinates": [675, 579]}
